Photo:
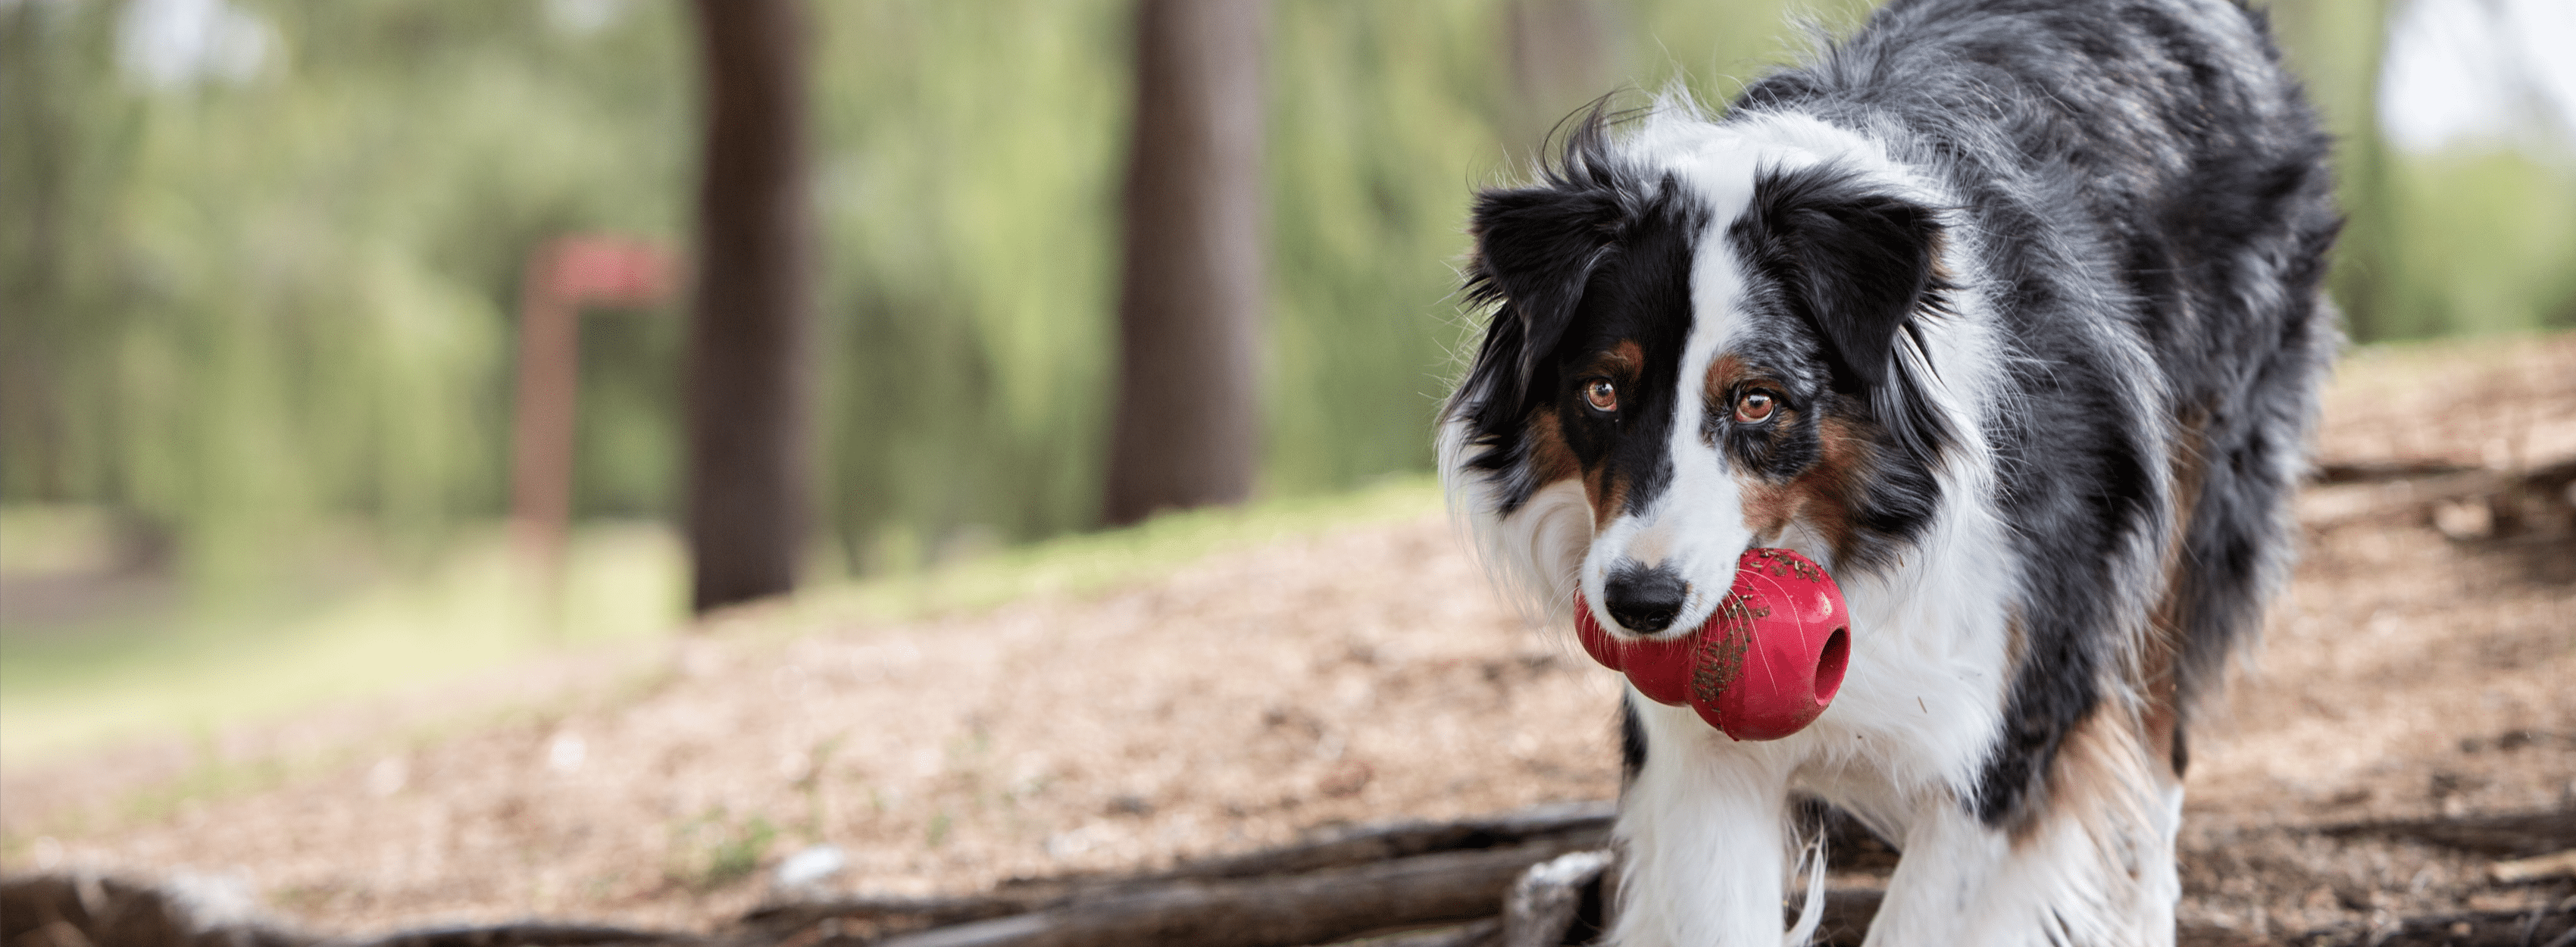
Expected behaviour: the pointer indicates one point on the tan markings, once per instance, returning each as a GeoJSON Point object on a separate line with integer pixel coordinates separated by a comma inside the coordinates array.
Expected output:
{"type": "Point", "coordinates": [1621, 362]}
{"type": "Point", "coordinates": [1832, 486]}
{"type": "Point", "coordinates": [1608, 493]}
{"type": "Point", "coordinates": [2102, 783]}
{"type": "Point", "coordinates": [1820, 497]}
{"type": "Point", "coordinates": [1624, 360]}
{"type": "Point", "coordinates": [1549, 457]}
{"type": "Point", "coordinates": [2158, 675]}
{"type": "Point", "coordinates": [2016, 653]}
{"type": "Point", "coordinates": [1768, 507]}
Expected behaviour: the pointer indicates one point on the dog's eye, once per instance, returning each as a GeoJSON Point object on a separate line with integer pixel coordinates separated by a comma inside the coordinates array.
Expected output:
{"type": "Point", "coordinates": [1754, 406]}
{"type": "Point", "coordinates": [1601, 394]}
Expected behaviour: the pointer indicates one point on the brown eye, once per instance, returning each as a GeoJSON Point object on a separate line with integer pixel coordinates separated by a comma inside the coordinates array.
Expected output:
{"type": "Point", "coordinates": [1601, 394]}
{"type": "Point", "coordinates": [1754, 407]}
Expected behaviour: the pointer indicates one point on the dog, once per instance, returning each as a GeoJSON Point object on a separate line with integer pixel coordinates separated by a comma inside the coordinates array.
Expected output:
{"type": "Point", "coordinates": [2005, 312]}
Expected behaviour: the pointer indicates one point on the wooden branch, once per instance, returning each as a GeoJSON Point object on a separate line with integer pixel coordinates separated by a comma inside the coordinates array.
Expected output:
{"type": "Point", "coordinates": [2382, 471]}
{"type": "Point", "coordinates": [1575, 825]}
{"type": "Point", "coordinates": [878, 915]}
{"type": "Point", "coordinates": [2541, 928]}
{"type": "Point", "coordinates": [530, 934]}
{"type": "Point", "coordinates": [2325, 508]}
{"type": "Point", "coordinates": [1848, 912]}
{"type": "Point", "coordinates": [2508, 494]}
{"type": "Point", "coordinates": [1547, 901]}
{"type": "Point", "coordinates": [1404, 839]}
{"type": "Point", "coordinates": [2536, 868]}
{"type": "Point", "coordinates": [2504, 835]}
{"type": "Point", "coordinates": [1471, 934]}
{"type": "Point", "coordinates": [1279, 911]}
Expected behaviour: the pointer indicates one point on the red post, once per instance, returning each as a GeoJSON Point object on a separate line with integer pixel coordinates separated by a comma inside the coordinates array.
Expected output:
{"type": "Point", "coordinates": [563, 275]}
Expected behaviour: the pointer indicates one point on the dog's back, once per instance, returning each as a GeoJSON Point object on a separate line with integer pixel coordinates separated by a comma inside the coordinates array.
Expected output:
{"type": "Point", "coordinates": [2164, 136]}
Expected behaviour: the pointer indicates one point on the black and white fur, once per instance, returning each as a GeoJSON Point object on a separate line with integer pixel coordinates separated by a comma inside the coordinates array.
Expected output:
{"type": "Point", "coordinates": [2032, 291]}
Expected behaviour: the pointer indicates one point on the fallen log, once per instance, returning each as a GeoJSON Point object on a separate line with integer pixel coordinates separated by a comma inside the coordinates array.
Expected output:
{"type": "Point", "coordinates": [83, 910]}
{"type": "Point", "coordinates": [530, 934]}
{"type": "Point", "coordinates": [864, 916]}
{"type": "Point", "coordinates": [2333, 473]}
{"type": "Point", "coordinates": [2547, 927]}
{"type": "Point", "coordinates": [1573, 825]}
{"type": "Point", "coordinates": [1403, 839]}
{"type": "Point", "coordinates": [1471, 934]}
{"type": "Point", "coordinates": [2503, 835]}
{"type": "Point", "coordinates": [1547, 904]}
{"type": "Point", "coordinates": [1578, 825]}
{"type": "Point", "coordinates": [2465, 503]}
{"type": "Point", "coordinates": [2536, 868]}
{"type": "Point", "coordinates": [1278, 911]}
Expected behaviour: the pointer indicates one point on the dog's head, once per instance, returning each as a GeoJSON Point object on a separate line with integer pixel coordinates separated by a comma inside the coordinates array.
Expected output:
{"type": "Point", "coordinates": [1700, 343]}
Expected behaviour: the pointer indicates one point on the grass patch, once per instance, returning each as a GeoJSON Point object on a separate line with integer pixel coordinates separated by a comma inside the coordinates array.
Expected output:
{"type": "Point", "coordinates": [203, 669]}
{"type": "Point", "coordinates": [1089, 563]}
{"type": "Point", "coordinates": [182, 672]}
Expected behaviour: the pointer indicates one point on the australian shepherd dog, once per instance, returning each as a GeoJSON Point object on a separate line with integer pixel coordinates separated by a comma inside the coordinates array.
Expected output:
{"type": "Point", "coordinates": [2007, 314]}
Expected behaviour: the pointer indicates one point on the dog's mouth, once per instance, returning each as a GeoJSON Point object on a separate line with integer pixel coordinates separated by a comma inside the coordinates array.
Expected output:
{"type": "Point", "coordinates": [1765, 665]}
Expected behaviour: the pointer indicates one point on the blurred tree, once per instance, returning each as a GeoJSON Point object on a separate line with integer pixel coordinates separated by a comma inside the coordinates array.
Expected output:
{"type": "Point", "coordinates": [1187, 424]}
{"type": "Point", "coordinates": [2337, 46]}
{"type": "Point", "coordinates": [1562, 56]}
{"type": "Point", "coordinates": [746, 361]}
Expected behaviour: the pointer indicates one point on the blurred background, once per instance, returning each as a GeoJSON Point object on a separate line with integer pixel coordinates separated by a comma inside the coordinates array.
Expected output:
{"type": "Point", "coordinates": [263, 265]}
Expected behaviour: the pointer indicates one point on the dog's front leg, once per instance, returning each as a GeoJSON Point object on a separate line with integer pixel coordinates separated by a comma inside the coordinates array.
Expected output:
{"type": "Point", "coordinates": [1702, 824]}
{"type": "Point", "coordinates": [2093, 866]}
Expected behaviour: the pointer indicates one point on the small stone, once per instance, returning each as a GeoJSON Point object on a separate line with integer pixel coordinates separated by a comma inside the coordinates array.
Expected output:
{"type": "Point", "coordinates": [811, 866]}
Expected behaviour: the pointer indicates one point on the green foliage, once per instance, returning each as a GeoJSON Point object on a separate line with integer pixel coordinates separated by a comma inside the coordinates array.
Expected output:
{"type": "Point", "coordinates": [967, 190]}
{"type": "Point", "coordinates": [2476, 240]}
{"type": "Point", "coordinates": [263, 303]}
{"type": "Point", "coordinates": [1382, 118]}
{"type": "Point", "coordinates": [2486, 243]}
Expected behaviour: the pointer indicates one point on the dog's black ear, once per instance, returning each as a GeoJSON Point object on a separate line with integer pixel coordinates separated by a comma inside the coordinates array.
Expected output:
{"type": "Point", "coordinates": [1536, 247]}
{"type": "Point", "coordinates": [1859, 264]}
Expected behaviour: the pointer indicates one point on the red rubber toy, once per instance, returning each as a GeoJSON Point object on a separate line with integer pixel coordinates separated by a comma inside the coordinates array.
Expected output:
{"type": "Point", "coordinates": [1761, 668]}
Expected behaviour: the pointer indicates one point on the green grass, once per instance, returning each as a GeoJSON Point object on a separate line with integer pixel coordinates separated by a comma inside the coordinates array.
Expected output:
{"type": "Point", "coordinates": [197, 669]}
{"type": "Point", "coordinates": [1086, 563]}
{"type": "Point", "coordinates": [188, 672]}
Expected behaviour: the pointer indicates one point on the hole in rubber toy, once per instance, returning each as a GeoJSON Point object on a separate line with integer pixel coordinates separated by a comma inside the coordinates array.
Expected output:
{"type": "Point", "coordinates": [1829, 666]}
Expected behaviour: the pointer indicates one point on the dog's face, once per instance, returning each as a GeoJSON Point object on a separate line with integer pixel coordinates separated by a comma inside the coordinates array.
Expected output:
{"type": "Point", "coordinates": [1693, 356]}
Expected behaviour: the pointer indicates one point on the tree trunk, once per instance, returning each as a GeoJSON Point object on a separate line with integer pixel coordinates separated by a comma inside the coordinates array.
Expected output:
{"type": "Point", "coordinates": [1187, 425]}
{"type": "Point", "coordinates": [748, 323]}
{"type": "Point", "coordinates": [1561, 59]}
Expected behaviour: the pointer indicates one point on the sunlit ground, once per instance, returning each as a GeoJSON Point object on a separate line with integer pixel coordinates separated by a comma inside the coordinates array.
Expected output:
{"type": "Point", "coordinates": [153, 666]}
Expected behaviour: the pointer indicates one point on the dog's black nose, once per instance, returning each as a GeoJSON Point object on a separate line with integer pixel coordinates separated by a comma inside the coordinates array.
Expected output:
{"type": "Point", "coordinates": [1643, 600]}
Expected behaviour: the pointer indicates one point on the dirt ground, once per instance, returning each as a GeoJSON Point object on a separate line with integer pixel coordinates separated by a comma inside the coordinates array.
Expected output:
{"type": "Point", "coordinates": [1360, 676]}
